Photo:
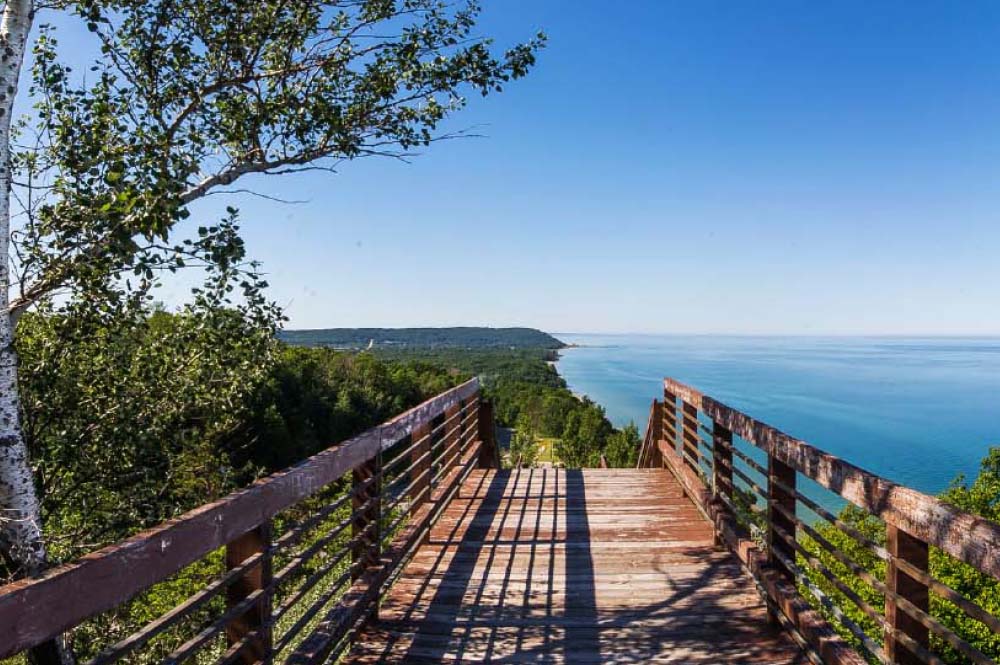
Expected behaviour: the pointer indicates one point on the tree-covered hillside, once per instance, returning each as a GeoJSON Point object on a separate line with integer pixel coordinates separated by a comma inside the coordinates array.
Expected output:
{"type": "Point", "coordinates": [515, 366]}
{"type": "Point", "coordinates": [427, 338]}
{"type": "Point", "coordinates": [533, 400]}
{"type": "Point", "coordinates": [138, 423]}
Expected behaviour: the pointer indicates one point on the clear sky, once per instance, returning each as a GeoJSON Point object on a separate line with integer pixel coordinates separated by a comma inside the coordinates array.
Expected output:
{"type": "Point", "coordinates": [735, 167]}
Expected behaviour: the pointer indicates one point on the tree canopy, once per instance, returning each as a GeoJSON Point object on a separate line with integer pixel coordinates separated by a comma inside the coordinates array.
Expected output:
{"type": "Point", "coordinates": [186, 98]}
{"type": "Point", "coordinates": [190, 96]}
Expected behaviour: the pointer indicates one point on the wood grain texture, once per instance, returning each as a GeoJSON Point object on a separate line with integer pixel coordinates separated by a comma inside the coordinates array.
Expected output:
{"type": "Point", "coordinates": [253, 625]}
{"type": "Point", "coordinates": [34, 610]}
{"type": "Point", "coordinates": [567, 566]}
{"type": "Point", "coordinates": [902, 546]}
{"type": "Point", "coordinates": [969, 538]}
{"type": "Point", "coordinates": [489, 456]}
{"type": "Point", "coordinates": [364, 594]}
{"type": "Point", "coordinates": [810, 624]}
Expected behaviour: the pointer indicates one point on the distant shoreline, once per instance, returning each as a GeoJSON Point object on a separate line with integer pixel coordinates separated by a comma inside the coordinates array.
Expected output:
{"type": "Point", "coordinates": [554, 364]}
{"type": "Point", "coordinates": [462, 337]}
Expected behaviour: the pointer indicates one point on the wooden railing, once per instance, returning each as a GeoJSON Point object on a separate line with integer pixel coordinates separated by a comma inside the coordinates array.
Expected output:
{"type": "Point", "coordinates": [743, 474]}
{"type": "Point", "coordinates": [290, 566]}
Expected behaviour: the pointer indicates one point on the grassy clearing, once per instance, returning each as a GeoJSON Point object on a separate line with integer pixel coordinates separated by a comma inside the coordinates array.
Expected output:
{"type": "Point", "coordinates": [547, 449]}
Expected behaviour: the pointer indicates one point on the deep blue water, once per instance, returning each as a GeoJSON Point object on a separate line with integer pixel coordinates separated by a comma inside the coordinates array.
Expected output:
{"type": "Point", "coordinates": [916, 410]}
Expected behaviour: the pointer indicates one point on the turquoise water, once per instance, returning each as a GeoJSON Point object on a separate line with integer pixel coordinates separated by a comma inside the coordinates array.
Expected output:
{"type": "Point", "coordinates": [916, 410]}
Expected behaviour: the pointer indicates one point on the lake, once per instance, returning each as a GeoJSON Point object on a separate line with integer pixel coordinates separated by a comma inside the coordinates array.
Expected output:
{"type": "Point", "coordinates": [916, 410]}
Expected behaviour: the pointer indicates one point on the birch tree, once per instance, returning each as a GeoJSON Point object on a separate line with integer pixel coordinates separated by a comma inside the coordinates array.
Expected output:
{"type": "Point", "coordinates": [189, 98]}
{"type": "Point", "coordinates": [20, 522]}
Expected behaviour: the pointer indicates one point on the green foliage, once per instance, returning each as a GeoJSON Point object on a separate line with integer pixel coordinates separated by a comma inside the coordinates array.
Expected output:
{"type": "Point", "coordinates": [189, 96]}
{"type": "Point", "coordinates": [424, 338]}
{"type": "Point", "coordinates": [584, 436]}
{"type": "Point", "coordinates": [522, 383]}
{"type": "Point", "coordinates": [497, 367]}
{"type": "Point", "coordinates": [981, 498]}
{"type": "Point", "coordinates": [146, 416]}
{"type": "Point", "coordinates": [622, 448]}
{"type": "Point", "coordinates": [89, 638]}
{"type": "Point", "coordinates": [529, 394]}
{"type": "Point", "coordinates": [874, 530]}
{"type": "Point", "coordinates": [315, 397]}
{"type": "Point", "coordinates": [524, 445]}
{"type": "Point", "coordinates": [132, 414]}
{"type": "Point", "coordinates": [133, 419]}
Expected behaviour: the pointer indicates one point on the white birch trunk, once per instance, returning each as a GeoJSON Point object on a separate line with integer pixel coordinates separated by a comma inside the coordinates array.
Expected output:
{"type": "Point", "coordinates": [20, 526]}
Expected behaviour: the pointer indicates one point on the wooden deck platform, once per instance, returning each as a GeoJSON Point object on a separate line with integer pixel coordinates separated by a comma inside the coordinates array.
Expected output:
{"type": "Point", "coordinates": [534, 565]}
{"type": "Point", "coordinates": [565, 566]}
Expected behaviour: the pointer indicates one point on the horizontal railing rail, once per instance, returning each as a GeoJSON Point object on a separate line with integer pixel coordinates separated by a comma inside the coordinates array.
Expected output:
{"type": "Point", "coordinates": [851, 594]}
{"type": "Point", "coordinates": [291, 565]}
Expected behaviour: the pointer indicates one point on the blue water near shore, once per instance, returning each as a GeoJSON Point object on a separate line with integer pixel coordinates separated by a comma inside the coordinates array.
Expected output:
{"type": "Point", "coordinates": [916, 410]}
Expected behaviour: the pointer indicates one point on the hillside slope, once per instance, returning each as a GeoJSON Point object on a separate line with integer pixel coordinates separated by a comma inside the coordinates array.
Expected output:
{"type": "Point", "coordinates": [461, 337]}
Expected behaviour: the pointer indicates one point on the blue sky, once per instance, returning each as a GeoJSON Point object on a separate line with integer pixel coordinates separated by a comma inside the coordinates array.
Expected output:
{"type": "Point", "coordinates": [727, 167]}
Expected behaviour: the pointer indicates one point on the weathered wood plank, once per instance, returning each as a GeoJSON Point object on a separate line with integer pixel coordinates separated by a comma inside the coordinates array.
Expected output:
{"type": "Point", "coordinates": [420, 461]}
{"type": "Point", "coordinates": [903, 546]}
{"type": "Point", "coordinates": [254, 624]}
{"type": "Point", "coordinates": [966, 537]}
{"type": "Point", "coordinates": [365, 592]}
{"type": "Point", "coordinates": [489, 457]}
{"type": "Point", "coordinates": [784, 595]}
{"type": "Point", "coordinates": [536, 565]}
{"type": "Point", "coordinates": [33, 610]}
{"type": "Point", "coordinates": [780, 504]}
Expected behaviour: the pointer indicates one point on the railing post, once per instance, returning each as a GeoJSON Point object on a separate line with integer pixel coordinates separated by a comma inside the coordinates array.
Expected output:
{"type": "Point", "coordinates": [255, 621]}
{"type": "Point", "coordinates": [456, 414]}
{"type": "Point", "coordinates": [903, 546]}
{"type": "Point", "coordinates": [722, 474]}
{"type": "Point", "coordinates": [489, 456]}
{"type": "Point", "coordinates": [365, 527]}
{"type": "Point", "coordinates": [655, 457]}
{"type": "Point", "coordinates": [421, 468]}
{"type": "Point", "coordinates": [670, 418]}
{"type": "Point", "coordinates": [780, 497]}
{"type": "Point", "coordinates": [689, 435]}
{"type": "Point", "coordinates": [463, 439]}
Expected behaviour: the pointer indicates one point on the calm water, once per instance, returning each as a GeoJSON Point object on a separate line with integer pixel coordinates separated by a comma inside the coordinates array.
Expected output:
{"type": "Point", "coordinates": [916, 410]}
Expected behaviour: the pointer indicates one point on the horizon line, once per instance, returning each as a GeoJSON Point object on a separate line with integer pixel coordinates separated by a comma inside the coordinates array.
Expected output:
{"type": "Point", "coordinates": [620, 333]}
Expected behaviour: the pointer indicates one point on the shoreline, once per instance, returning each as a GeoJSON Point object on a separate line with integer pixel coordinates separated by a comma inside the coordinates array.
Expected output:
{"type": "Point", "coordinates": [554, 364]}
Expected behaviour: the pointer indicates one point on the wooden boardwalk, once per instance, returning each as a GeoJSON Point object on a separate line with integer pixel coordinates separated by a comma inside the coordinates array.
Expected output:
{"type": "Point", "coordinates": [465, 563]}
{"type": "Point", "coordinates": [564, 566]}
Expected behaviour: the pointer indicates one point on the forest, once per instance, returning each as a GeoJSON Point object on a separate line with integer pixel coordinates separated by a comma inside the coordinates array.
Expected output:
{"type": "Point", "coordinates": [172, 410]}
{"type": "Point", "coordinates": [518, 374]}
{"type": "Point", "coordinates": [114, 414]}
{"type": "Point", "coordinates": [534, 401]}
{"type": "Point", "coordinates": [143, 424]}
{"type": "Point", "coordinates": [467, 337]}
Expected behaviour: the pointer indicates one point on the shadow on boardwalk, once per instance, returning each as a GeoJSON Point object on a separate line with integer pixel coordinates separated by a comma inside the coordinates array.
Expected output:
{"type": "Point", "coordinates": [559, 566]}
